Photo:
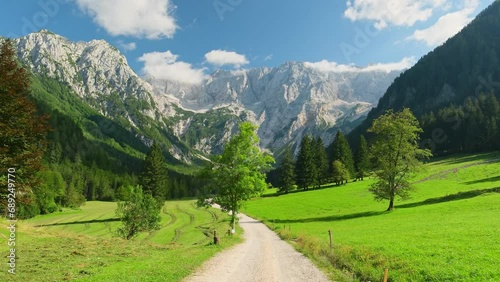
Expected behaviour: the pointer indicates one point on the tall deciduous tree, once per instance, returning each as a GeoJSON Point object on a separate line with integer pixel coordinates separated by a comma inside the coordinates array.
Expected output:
{"type": "Point", "coordinates": [396, 153]}
{"type": "Point", "coordinates": [22, 130]}
{"type": "Point", "coordinates": [287, 171]}
{"type": "Point", "coordinates": [238, 174]}
{"type": "Point", "coordinates": [341, 151]}
{"type": "Point", "coordinates": [154, 176]}
{"type": "Point", "coordinates": [305, 166]}
{"type": "Point", "coordinates": [321, 159]}
{"type": "Point", "coordinates": [362, 158]}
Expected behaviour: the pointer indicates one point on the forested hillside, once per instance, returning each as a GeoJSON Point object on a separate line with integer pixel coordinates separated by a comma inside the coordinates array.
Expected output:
{"type": "Point", "coordinates": [447, 84]}
{"type": "Point", "coordinates": [84, 155]}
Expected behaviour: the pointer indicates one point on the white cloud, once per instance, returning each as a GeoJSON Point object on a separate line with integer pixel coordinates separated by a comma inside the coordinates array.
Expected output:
{"type": "Point", "coordinates": [164, 65]}
{"type": "Point", "coordinates": [222, 58]}
{"type": "Point", "coordinates": [127, 46]}
{"type": "Point", "coordinates": [239, 72]}
{"type": "Point", "coordinates": [150, 19]}
{"type": "Point", "coordinates": [326, 66]}
{"type": "Point", "coordinates": [392, 12]}
{"type": "Point", "coordinates": [446, 26]}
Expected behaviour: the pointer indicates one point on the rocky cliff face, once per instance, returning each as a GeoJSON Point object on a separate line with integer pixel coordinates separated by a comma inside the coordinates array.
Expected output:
{"type": "Point", "coordinates": [286, 102]}
{"type": "Point", "coordinates": [91, 69]}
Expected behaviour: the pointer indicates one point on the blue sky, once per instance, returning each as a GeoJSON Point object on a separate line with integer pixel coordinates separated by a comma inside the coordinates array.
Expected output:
{"type": "Point", "coordinates": [186, 39]}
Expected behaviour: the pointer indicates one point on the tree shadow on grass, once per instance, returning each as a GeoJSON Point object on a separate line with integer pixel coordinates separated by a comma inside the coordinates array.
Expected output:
{"type": "Point", "coordinates": [489, 179]}
{"type": "Point", "coordinates": [487, 157]}
{"type": "Point", "coordinates": [329, 218]}
{"type": "Point", "coordinates": [300, 190]}
{"type": "Point", "coordinates": [79, 222]}
{"type": "Point", "coordinates": [452, 197]}
{"type": "Point", "coordinates": [447, 198]}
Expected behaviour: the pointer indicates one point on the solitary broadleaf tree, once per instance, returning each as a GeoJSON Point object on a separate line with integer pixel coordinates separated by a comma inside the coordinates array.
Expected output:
{"type": "Point", "coordinates": [396, 154]}
{"type": "Point", "coordinates": [238, 174]}
{"type": "Point", "coordinates": [340, 172]}
{"type": "Point", "coordinates": [154, 176]}
{"type": "Point", "coordinates": [287, 173]}
{"type": "Point", "coordinates": [139, 213]}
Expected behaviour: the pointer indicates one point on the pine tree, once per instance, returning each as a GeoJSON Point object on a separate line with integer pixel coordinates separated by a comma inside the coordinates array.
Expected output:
{"type": "Point", "coordinates": [321, 161]}
{"type": "Point", "coordinates": [287, 169]}
{"type": "Point", "coordinates": [22, 131]}
{"type": "Point", "coordinates": [341, 151]}
{"type": "Point", "coordinates": [305, 166]}
{"type": "Point", "coordinates": [362, 158]}
{"type": "Point", "coordinates": [154, 177]}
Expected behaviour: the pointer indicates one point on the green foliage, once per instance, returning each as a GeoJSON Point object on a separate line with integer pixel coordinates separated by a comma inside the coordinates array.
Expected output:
{"type": "Point", "coordinates": [362, 163]}
{"type": "Point", "coordinates": [305, 165]}
{"type": "Point", "coordinates": [320, 155]}
{"type": "Point", "coordinates": [123, 193]}
{"type": "Point", "coordinates": [286, 169]}
{"type": "Point", "coordinates": [237, 174]}
{"type": "Point", "coordinates": [340, 172]}
{"type": "Point", "coordinates": [396, 154]}
{"type": "Point", "coordinates": [471, 127]}
{"type": "Point", "coordinates": [51, 192]}
{"type": "Point", "coordinates": [22, 132]}
{"type": "Point", "coordinates": [140, 213]}
{"type": "Point", "coordinates": [154, 177]}
{"type": "Point", "coordinates": [341, 151]}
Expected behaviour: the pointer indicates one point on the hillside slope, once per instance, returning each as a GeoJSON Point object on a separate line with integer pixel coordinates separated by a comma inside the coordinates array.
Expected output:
{"type": "Point", "coordinates": [463, 67]}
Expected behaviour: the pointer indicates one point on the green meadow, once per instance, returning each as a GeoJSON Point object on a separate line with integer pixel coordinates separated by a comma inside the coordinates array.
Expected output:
{"type": "Point", "coordinates": [448, 231]}
{"type": "Point", "coordinates": [82, 245]}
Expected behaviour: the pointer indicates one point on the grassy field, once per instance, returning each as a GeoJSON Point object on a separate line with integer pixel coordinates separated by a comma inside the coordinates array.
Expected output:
{"type": "Point", "coordinates": [81, 245]}
{"type": "Point", "coordinates": [448, 231]}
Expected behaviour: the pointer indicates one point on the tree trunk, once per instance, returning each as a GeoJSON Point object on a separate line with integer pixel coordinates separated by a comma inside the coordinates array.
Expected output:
{"type": "Point", "coordinates": [233, 221]}
{"type": "Point", "coordinates": [391, 204]}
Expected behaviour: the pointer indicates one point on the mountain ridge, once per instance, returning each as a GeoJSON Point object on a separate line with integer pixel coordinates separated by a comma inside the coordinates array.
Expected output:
{"type": "Point", "coordinates": [287, 101]}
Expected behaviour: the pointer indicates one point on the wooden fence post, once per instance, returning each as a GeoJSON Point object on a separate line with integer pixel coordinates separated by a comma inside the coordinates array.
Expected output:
{"type": "Point", "coordinates": [330, 235]}
{"type": "Point", "coordinates": [216, 239]}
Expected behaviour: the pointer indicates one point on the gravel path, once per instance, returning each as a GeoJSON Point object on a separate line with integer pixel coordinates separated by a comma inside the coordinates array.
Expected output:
{"type": "Point", "coordinates": [263, 256]}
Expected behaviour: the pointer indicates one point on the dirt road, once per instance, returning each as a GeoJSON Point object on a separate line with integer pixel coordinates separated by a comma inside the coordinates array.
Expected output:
{"type": "Point", "coordinates": [263, 256]}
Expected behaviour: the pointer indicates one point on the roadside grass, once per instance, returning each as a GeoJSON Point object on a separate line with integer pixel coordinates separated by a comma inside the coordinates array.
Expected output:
{"type": "Point", "coordinates": [448, 231]}
{"type": "Point", "coordinates": [81, 245]}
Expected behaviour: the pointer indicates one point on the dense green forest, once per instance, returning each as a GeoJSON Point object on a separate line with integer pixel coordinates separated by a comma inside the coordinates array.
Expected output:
{"type": "Point", "coordinates": [471, 127]}
{"type": "Point", "coordinates": [463, 68]}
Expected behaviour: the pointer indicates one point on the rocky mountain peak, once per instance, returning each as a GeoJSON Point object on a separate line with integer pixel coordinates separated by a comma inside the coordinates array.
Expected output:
{"type": "Point", "coordinates": [287, 101]}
